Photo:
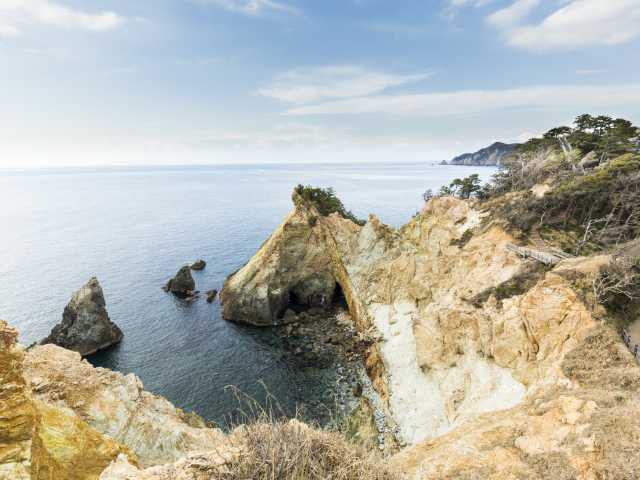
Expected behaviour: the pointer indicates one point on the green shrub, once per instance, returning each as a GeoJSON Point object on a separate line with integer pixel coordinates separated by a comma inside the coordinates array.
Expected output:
{"type": "Point", "coordinates": [326, 202]}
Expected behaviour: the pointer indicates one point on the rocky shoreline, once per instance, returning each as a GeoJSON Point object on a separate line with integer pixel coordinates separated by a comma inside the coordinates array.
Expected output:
{"type": "Point", "coordinates": [328, 339]}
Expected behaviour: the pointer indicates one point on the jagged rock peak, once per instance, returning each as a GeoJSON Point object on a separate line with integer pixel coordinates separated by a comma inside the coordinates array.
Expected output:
{"type": "Point", "coordinates": [292, 270]}
{"type": "Point", "coordinates": [86, 326]}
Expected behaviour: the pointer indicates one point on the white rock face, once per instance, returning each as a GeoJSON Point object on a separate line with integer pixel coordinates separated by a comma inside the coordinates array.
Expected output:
{"type": "Point", "coordinates": [431, 403]}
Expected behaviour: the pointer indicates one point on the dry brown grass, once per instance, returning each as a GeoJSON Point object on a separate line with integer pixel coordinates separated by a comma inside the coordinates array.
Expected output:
{"type": "Point", "coordinates": [292, 450]}
{"type": "Point", "coordinates": [282, 449]}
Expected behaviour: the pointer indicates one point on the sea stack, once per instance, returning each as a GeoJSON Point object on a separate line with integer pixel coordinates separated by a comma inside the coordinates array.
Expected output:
{"type": "Point", "coordinates": [86, 326]}
{"type": "Point", "coordinates": [211, 295]}
{"type": "Point", "coordinates": [199, 265]}
{"type": "Point", "coordinates": [182, 284]}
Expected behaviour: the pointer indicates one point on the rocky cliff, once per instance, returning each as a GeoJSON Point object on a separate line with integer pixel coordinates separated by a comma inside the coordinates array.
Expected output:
{"type": "Point", "coordinates": [483, 353]}
{"type": "Point", "coordinates": [491, 363]}
{"type": "Point", "coordinates": [490, 156]}
{"type": "Point", "coordinates": [42, 440]}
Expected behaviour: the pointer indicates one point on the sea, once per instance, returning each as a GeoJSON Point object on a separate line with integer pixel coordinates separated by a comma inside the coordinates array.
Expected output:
{"type": "Point", "coordinates": [133, 228]}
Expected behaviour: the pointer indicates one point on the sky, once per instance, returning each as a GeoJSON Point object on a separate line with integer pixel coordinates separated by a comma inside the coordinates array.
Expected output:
{"type": "Point", "coordinates": [167, 82]}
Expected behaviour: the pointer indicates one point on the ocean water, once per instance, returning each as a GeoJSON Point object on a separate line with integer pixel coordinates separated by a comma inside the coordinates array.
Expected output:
{"type": "Point", "coordinates": [134, 228]}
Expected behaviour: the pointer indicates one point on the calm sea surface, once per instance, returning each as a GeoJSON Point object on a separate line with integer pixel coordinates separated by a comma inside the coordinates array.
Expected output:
{"type": "Point", "coordinates": [133, 229]}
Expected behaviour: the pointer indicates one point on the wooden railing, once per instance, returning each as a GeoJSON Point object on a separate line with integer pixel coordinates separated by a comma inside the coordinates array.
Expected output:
{"type": "Point", "coordinates": [549, 257]}
{"type": "Point", "coordinates": [629, 342]}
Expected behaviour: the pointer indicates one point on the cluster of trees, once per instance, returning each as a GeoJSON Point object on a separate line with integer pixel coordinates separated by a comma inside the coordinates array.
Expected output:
{"type": "Point", "coordinates": [601, 206]}
{"type": "Point", "coordinates": [606, 136]}
{"type": "Point", "coordinates": [465, 188]}
{"type": "Point", "coordinates": [326, 202]}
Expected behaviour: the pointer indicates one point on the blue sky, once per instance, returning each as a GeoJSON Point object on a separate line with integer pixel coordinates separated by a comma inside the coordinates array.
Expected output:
{"type": "Point", "coordinates": [111, 82]}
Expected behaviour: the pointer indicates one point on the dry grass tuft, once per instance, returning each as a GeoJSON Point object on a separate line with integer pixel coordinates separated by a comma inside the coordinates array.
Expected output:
{"type": "Point", "coordinates": [292, 450]}
{"type": "Point", "coordinates": [275, 448]}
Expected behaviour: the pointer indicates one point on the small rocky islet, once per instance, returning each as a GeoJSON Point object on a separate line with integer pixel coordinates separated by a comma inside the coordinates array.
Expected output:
{"type": "Point", "coordinates": [198, 265]}
{"type": "Point", "coordinates": [86, 327]}
{"type": "Point", "coordinates": [182, 284]}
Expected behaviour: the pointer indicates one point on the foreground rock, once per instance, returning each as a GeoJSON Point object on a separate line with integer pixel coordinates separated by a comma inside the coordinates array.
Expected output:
{"type": "Point", "coordinates": [86, 327]}
{"type": "Point", "coordinates": [117, 405]}
{"type": "Point", "coordinates": [182, 284]}
{"type": "Point", "coordinates": [199, 265]}
{"type": "Point", "coordinates": [40, 440]}
{"type": "Point", "coordinates": [483, 354]}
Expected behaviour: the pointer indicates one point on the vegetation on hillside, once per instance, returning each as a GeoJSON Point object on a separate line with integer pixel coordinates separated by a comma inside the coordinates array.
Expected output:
{"type": "Point", "coordinates": [326, 202]}
{"type": "Point", "coordinates": [617, 287]}
{"type": "Point", "coordinates": [586, 179]}
{"type": "Point", "coordinates": [592, 173]}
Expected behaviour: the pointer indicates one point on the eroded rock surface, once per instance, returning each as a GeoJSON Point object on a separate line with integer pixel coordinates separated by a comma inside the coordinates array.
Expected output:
{"type": "Point", "coordinates": [475, 339]}
{"type": "Point", "coordinates": [117, 406]}
{"type": "Point", "coordinates": [86, 326]}
{"type": "Point", "coordinates": [293, 269]}
{"type": "Point", "coordinates": [39, 440]}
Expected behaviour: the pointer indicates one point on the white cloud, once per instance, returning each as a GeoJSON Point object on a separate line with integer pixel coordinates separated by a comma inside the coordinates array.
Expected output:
{"type": "Point", "coordinates": [9, 31]}
{"type": "Point", "coordinates": [253, 7]}
{"type": "Point", "coordinates": [578, 24]}
{"type": "Point", "coordinates": [513, 14]}
{"type": "Point", "coordinates": [19, 14]}
{"type": "Point", "coordinates": [465, 3]}
{"type": "Point", "coordinates": [283, 135]}
{"type": "Point", "coordinates": [589, 71]}
{"type": "Point", "coordinates": [466, 102]}
{"type": "Point", "coordinates": [333, 82]}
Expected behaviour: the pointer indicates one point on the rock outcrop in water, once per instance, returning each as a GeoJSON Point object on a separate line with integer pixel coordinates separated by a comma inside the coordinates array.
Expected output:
{"type": "Point", "coordinates": [182, 284]}
{"type": "Point", "coordinates": [86, 327]}
{"type": "Point", "coordinates": [198, 265]}
{"type": "Point", "coordinates": [211, 295]}
{"type": "Point", "coordinates": [292, 270]}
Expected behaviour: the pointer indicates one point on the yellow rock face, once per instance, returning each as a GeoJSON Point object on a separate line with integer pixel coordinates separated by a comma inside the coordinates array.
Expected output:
{"type": "Point", "coordinates": [117, 406]}
{"type": "Point", "coordinates": [40, 441]}
{"type": "Point", "coordinates": [64, 447]}
{"type": "Point", "coordinates": [17, 415]}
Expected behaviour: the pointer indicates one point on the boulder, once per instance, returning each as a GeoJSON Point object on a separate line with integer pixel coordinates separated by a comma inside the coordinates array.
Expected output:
{"type": "Point", "coordinates": [85, 327]}
{"type": "Point", "coordinates": [211, 295]}
{"type": "Point", "coordinates": [199, 265]}
{"type": "Point", "coordinates": [182, 284]}
{"type": "Point", "coordinates": [590, 160]}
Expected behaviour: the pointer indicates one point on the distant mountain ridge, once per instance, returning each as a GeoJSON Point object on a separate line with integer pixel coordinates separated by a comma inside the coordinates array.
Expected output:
{"type": "Point", "coordinates": [487, 157]}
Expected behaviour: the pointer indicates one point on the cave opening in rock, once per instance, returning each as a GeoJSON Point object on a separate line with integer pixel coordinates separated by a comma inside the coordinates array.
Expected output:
{"type": "Point", "coordinates": [296, 304]}
{"type": "Point", "coordinates": [299, 304]}
{"type": "Point", "coordinates": [339, 301]}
